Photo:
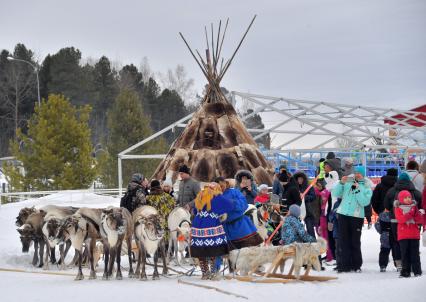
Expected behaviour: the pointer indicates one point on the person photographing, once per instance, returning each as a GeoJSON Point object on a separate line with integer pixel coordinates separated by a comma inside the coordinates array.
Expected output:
{"type": "Point", "coordinates": [355, 193]}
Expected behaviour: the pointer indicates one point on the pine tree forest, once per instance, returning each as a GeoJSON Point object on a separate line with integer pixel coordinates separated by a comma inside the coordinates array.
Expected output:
{"type": "Point", "coordinates": [114, 106]}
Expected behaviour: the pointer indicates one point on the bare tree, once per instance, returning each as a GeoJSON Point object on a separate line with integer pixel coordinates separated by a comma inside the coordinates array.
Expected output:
{"type": "Point", "coordinates": [178, 81]}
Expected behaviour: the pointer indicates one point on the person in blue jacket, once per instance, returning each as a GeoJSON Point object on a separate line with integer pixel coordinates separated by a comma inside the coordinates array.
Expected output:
{"type": "Point", "coordinates": [355, 192]}
{"type": "Point", "coordinates": [239, 228]}
{"type": "Point", "coordinates": [292, 229]}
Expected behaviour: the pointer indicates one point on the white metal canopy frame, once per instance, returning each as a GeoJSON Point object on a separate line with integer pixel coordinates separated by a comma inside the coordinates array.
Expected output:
{"type": "Point", "coordinates": [312, 125]}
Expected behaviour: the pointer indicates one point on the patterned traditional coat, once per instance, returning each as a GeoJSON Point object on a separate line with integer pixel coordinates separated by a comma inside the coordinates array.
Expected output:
{"type": "Point", "coordinates": [163, 203]}
{"type": "Point", "coordinates": [208, 238]}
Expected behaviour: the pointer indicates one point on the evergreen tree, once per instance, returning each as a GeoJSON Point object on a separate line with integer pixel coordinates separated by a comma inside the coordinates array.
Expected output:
{"type": "Point", "coordinates": [66, 75]}
{"type": "Point", "coordinates": [128, 125]}
{"type": "Point", "coordinates": [56, 153]}
{"type": "Point", "coordinates": [170, 108]}
{"type": "Point", "coordinates": [105, 89]}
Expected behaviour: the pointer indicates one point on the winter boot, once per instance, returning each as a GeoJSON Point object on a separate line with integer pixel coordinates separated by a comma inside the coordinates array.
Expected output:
{"type": "Point", "coordinates": [383, 269]}
{"type": "Point", "coordinates": [398, 265]}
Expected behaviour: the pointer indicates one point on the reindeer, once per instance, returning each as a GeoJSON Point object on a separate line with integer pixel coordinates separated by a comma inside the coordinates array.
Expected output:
{"type": "Point", "coordinates": [52, 221]}
{"type": "Point", "coordinates": [149, 239]}
{"type": "Point", "coordinates": [116, 226]}
{"type": "Point", "coordinates": [31, 230]}
{"type": "Point", "coordinates": [180, 228]}
{"type": "Point", "coordinates": [81, 229]}
{"type": "Point", "coordinates": [23, 215]}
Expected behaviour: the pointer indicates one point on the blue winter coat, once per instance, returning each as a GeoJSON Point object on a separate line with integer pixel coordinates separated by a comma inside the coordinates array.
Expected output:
{"type": "Point", "coordinates": [237, 225]}
{"type": "Point", "coordinates": [353, 201]}
{"type": "Point", "coordinates": [293, 231]}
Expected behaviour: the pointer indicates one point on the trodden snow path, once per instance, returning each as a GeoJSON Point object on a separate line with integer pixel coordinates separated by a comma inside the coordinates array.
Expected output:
{"type": "Point", "coordinates": [370, 285]}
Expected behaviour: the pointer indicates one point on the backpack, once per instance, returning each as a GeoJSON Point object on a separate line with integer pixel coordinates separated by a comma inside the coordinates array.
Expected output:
{"type": "Point", "coordinates": [128, 200]}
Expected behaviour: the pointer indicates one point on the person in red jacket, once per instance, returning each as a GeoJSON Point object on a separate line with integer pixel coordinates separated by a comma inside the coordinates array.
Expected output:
{"type": "Point", "coordinates": [408, 216]}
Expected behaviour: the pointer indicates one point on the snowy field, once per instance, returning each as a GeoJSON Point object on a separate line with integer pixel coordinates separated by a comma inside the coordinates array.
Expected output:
{"type": "Point", "coordinates": [370, 285]}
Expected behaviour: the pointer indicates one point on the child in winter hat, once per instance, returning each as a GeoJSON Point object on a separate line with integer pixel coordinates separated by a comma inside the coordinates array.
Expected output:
{"type": "Point", "coordinates": [263, 195]}
{"type": "Point", "coordinates": [292, 229]}
{"type": "Point", "coordinates": [408, 216]}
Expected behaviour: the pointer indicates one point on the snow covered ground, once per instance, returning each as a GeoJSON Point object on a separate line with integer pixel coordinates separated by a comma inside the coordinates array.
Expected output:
{"type": "Point", "coordinates": [370, 285]}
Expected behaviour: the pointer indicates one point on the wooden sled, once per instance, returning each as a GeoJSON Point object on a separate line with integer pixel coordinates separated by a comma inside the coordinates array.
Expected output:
{"type": "Point", "coordinates": [271, 275]}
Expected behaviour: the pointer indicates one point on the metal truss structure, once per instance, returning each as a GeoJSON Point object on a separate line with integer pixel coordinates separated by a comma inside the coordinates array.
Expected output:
{"type": "Point", "coordinates": [301, 125]}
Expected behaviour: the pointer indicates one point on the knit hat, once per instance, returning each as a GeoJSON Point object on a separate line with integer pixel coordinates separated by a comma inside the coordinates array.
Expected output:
{"type": "Point", "coordinates": [330, 155]}
{"type": "Point", "coordinates": [360, 170]}
{"type": "Point", "coordinates": [155, 184]}
{"type": "Point", "coordinates": [404, 176]}
{"type": "Point", "coordinates": [137, 177]}
{"type": "Point", "coordinates": [262, 186]}
{"type": "Point", "coordinates": [402, 195]}
{"type": "Point", "coordinates": [184, 169]}
{"type": "Point", "coordinates": [392, 172]}
{"type": "Point", "coordinates": [423, 167]}
{"type": "Point", "coordinates": [294, 210]}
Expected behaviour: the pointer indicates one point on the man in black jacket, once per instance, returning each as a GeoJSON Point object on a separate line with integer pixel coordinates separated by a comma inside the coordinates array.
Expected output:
{"type": "Point", "coordinates": [303, 184]}
{"type": "Point", "coordinates": [403, 183]}
{"type": "Point", "coordinates": [386, 182]}
{"type": "Point", "coordinates": [135, 195]}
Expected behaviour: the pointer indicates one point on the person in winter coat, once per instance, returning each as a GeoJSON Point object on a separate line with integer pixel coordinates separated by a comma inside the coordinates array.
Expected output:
{"type": "Point", "coordinates": [310, 198]}
{"type": "Point", "coordinates": [239, 228]}
{"type": "Point", "coordinates": [188, 189]}
{"type": "Point", "coordinates": [333, 228]}
{"type": "Point", "coordinates": [383, 226]}
{"type": "Point", "coordinates": [324, 195]}
{"type": "Point", "coordinates": [347, 166]}
{"type": "Point", "coordinates": [277, 185]}
{"type": "Point", "coordinates": [291, 193]}
{"type": "Point", "coordinates": [135, 194]}
{"type": "Point", "coordinates": [412, 169]}
{"type": "Point", "coordinates": [356, 194]}
{"type": "Point", "coordinates": [334, 162]}
{"type": "Point", "coordinates": [208, 236]}
{"type": "Point", "coordinates": [331, 178]}
{"type": "Point", "coordinates": [320, 170]}
{"type": "Point", "coordinates": [263, 195]}
{"type": "Point", "coordinates": [386, 183]}
{"type": "Point", "coordinates": [423, 171]}
{"type": "Point", "coordinates": [244, 181]}
{"type": "Point", "coordinates": [403, 183]}
{"type": "Point", "coordinates": [409, 216]}
{"type": "Point", "coordinates": [162, 201]}
{"type": "Point", "coordinates": [292, 229]}
{"type": "Point", "coordinates": [168, 187]}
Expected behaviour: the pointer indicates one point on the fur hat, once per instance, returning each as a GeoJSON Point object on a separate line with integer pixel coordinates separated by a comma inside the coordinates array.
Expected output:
{"type": "Point", "coordinates": [184, 169]}
{"type": "Point", "coordinates": [155, 184]}
{"type": "Point", "coordinates": [404, 176]}
{"type": "Point", "coordinates": [330, 155]}
{"type": "Point", "coordinates": [423, 167]}
{"type": "Point", "coordinates": [262, 186]}
{"type": "Point", "coordinates": [167, 182]}
{"type": "Point", "coordinates": [402, 195]}
{"type": "Point", "coordinates": [360, 170]}
{"type": "Point", "coordinates": [294, 210]}
{"type": "Point", "coordinates": [392, 172]}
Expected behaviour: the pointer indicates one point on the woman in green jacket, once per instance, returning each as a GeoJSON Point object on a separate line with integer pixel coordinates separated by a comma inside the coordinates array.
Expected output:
{"type": "Point", "coordinates": [355, 191]}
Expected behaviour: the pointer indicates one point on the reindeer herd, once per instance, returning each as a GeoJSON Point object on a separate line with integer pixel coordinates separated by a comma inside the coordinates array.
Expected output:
{"type": "Point", "coordinates": [85, 229]}
{"type": "Point", "coordinates": [92, 231]}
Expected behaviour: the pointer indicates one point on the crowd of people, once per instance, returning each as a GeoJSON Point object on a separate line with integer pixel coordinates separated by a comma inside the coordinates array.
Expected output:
{"type": "Point", "coordinates": [335, 206]}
